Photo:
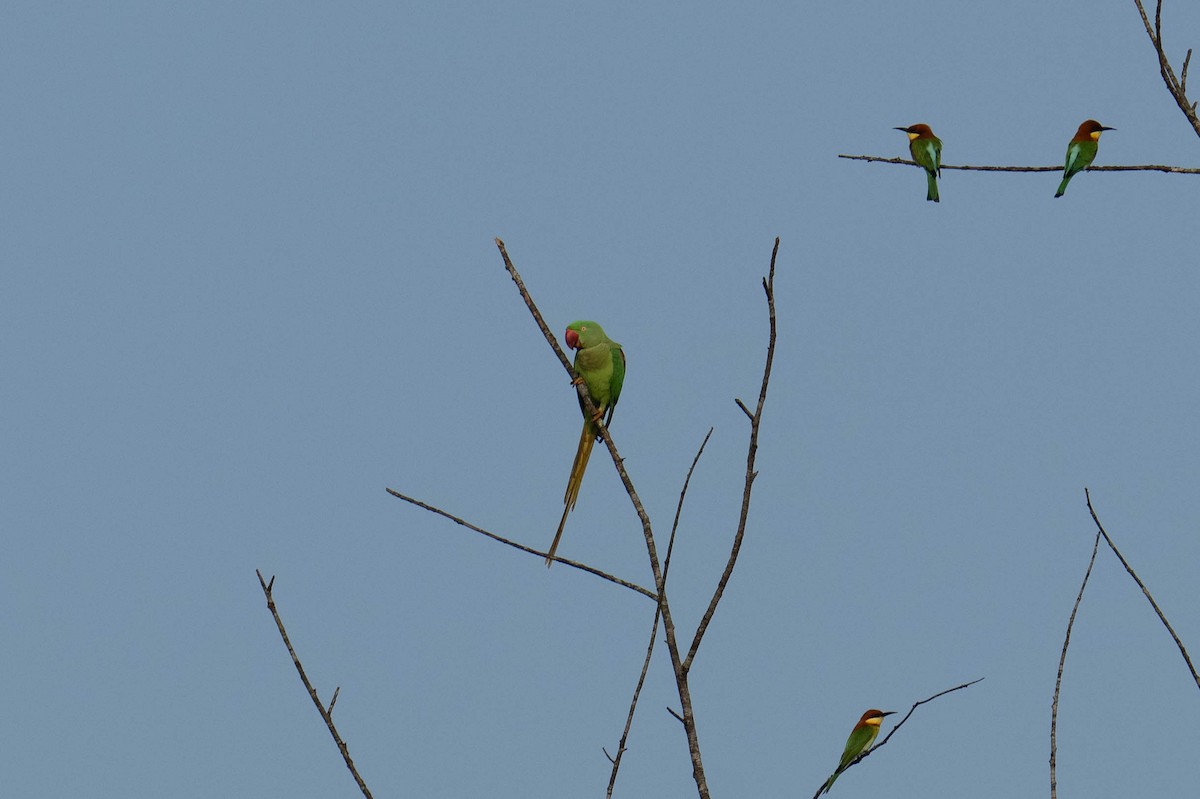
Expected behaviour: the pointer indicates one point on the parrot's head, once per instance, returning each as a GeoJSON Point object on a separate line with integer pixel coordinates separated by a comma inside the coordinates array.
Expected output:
{"type": "Point", "coordinates": [583, 334]}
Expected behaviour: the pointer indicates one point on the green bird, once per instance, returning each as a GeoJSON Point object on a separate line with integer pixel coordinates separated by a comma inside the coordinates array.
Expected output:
{"type": "Point", "coordinates": [1081, 151]}
{"type": "Point", "coordinates": [926, 150]}
{"type": "Point", "coordinates": [600, 366]}
{"type": "Point", "coordinates": [860, 740]}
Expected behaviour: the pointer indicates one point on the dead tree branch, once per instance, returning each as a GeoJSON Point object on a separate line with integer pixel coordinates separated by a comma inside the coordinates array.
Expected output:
{"type": "Point", "coordinates": [1177, 86]}
{"type": "Point", "coordinates": [1149, 598]}
{"type": "Point", "coordinates": [326, 712]}
{"type": "Point", "coordinates": [664, 607]}
{"type": "Point", "coordinates": [768, 285]}
{"type": "Point", "coordinates": [616, 761]}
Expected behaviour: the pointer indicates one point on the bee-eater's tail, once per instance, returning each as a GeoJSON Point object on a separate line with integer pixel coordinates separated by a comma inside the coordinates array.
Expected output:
{"type": "Point", "coordinates": [932, 194]}
{"type": "Point", "coordinates": [1062, 187]}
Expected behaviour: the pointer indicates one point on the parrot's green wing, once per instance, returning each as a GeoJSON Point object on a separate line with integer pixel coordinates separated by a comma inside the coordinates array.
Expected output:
{"type": "Point", "coordinates": [616, 381]}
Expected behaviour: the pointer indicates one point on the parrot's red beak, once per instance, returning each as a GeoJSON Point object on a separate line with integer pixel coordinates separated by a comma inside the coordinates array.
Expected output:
{"type": "Point", "coordinates": [572, 339]}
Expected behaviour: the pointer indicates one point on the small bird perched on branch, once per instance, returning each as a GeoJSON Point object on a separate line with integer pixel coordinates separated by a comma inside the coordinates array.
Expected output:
{"type": "Point", "coordinates": [926, 150]}
{"type": "Point", "coordinates": [1081, 151]}
{"type": "Point", "coordinates": [600, 366]}
{"type": "Point", "coordinates": [860, 740]}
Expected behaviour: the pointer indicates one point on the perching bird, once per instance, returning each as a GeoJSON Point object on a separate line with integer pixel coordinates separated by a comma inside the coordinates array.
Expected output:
{"type": "Point", "coordinates": [600, 366]}
{"type": "Point", "coordinates": [860, 740]}
{"type": "Point", "coordinates": [926, 150]}
{"type": "Point", "coordinates": [1081, 151]}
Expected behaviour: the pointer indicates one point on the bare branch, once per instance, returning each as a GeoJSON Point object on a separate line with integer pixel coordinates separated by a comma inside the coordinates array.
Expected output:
{"type": "Point", "coordinates": [616, 762]}
{"type": "Point", "coordinates": [899, 724]}
{"type": "Point", "coordinates": [586, 400]}
{"type": "Point", "coordinates": [637, 692]}
{"type": "Point", "coordinates": [575, 564]}
{"type": "Point", "coordinates": [1180, 170]}
{"type": "Point", "coordinates": [664, 607]}
{"type": "Point", "coordinates": [751, 453]}
{"type": "Point", "coordinates": [1177, 87]}
{"type": "Point", "coordinates": [326, 713]}
{"type": "Point", "coordinates": [1062, 659]}
{"type": "Point", "coordinates": [1161, 617]}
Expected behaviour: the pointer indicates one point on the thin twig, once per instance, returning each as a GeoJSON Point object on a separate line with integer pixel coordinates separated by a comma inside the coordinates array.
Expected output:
{"type": "Point", "coordinates": [637, 692]}
{"type": "Point", "coordinates": [916, 705]}
{"type": "Point", "coordinates": [616, 761]}
{"type": "Point", "coordinates": [681, 683]}
{"type": "Point", "coordinates": [863, 756]}
{"type": "Point", "coordinates": [1161, 616]}
{"type": "Point", "coordinates": [768, 285]}
{"type": "Point", "coordinates": [1139, 168]}
{"type": "Point", "coordinates": [326, 713]}
{"type": "Point", "coordinates": [679, 505]}
{"type": "Point", "coordinates": [1062, 659]}
{"type": "Point", "coordinates": [581, 566]}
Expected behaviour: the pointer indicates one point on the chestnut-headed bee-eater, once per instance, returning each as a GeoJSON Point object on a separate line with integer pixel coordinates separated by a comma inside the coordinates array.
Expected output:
{"type": "Point", "coordinates": [1081, 151]}
{"type": "Point", "coordinates": [926, 150]}
{"type": "Point", "coordinates": [861, 737]}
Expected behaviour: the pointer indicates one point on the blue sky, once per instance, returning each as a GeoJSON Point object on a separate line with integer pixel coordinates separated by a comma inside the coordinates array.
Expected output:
{"type": "Point", "coordinates": [249, 280]}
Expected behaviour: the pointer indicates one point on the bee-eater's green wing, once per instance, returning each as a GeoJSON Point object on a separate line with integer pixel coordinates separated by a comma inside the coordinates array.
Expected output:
{"type": "Point", "coordinates": [1079, 157]}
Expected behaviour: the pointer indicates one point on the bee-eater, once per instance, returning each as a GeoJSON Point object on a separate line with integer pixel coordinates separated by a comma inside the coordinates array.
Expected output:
{"type": "Point", "coordinates": [861, 737]}
{"type": "Point", "coordinates": [926, 150]}
{"type": "Point", "coordinates": [1081, 151]}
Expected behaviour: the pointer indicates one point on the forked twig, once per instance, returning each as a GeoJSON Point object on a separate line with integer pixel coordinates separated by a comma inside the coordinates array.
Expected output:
{"type": "Point", "coordinates": [768, 285]}
{"type": "Point", "coordinates": [899, 724]}
{"type": "Point", "coordinates": [326, 712]}
{"type": "Point", "coordinates": [1129, 569]}
{"type": "Point", "coordinates": [616, 761]}
{"type": "Point", "coordinates": [664, 607]}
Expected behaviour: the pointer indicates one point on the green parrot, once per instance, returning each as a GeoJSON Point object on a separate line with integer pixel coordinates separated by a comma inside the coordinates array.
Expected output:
{"type": "Point", "coordinates": [600, 366]}
{"type": "Point", "coordinates": [860, 740]}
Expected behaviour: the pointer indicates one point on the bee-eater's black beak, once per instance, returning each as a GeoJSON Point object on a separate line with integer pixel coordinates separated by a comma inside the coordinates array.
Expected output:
{"type": "Point", "coordinates": [1102, 127]}
{"type": "Point", "coordinates": [903, 129]}
{"type": "Point", "coordinates": [890, 713]}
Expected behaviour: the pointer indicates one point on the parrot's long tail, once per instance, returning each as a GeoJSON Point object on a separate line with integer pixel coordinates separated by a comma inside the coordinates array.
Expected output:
{"type": "Point", "coordinates": [586, 439]}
